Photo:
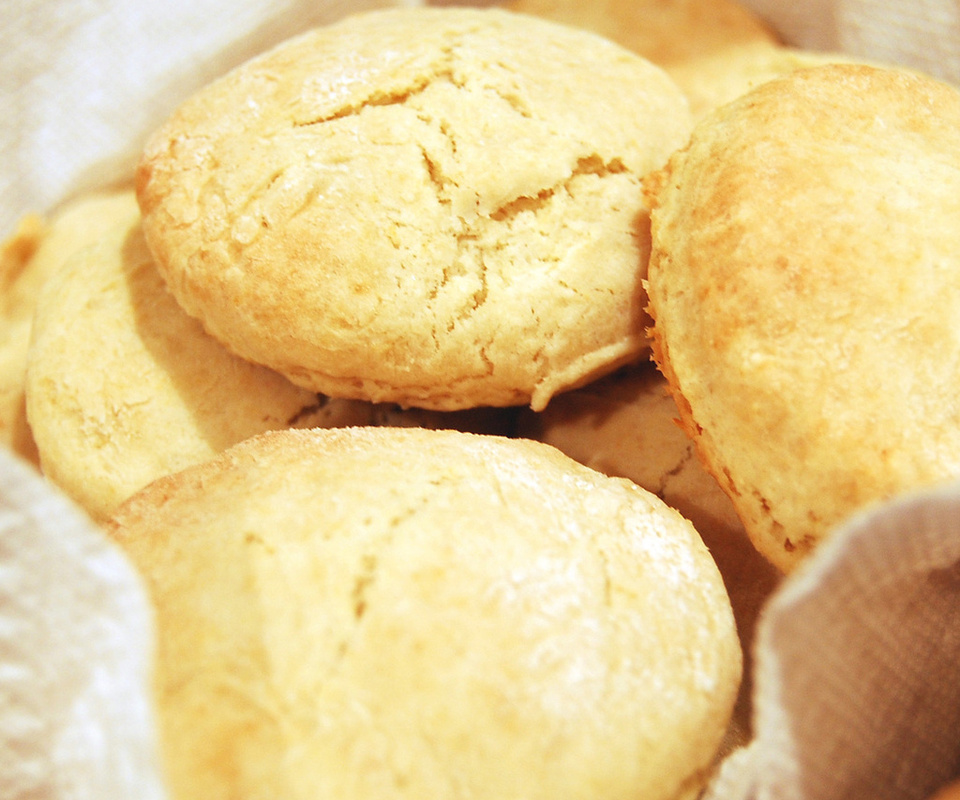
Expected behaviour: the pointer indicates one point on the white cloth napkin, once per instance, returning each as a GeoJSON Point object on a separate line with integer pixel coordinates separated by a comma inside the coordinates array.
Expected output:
{"type": "Point", "coordinates": [857, 664]}
{"type": "Point", "coordinates": [76, 642]}
{"type": "Point", "coordinates": [857, 692]}
{"type": "Point", "coordinates": [83, 83]}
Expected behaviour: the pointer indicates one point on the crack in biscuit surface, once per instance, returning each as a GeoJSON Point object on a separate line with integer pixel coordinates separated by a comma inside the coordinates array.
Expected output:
{"type": "Point", "coordinates": [409, 219]}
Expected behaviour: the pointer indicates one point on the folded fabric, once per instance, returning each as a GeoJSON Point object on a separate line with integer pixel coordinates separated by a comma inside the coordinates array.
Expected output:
{"type": "Point", "coordinates": [857, 664]}
{"type": "Point", "coordinates": [76, 648]}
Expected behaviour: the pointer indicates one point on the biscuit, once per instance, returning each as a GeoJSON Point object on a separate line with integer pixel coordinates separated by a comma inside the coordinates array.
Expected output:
{"type": "Point", "coordinates": [717, 78]}
{"type": "Point", "coordinates": [805, 288]}
{"type": "Point", "coordinates": [400, 612]}
{"type": "Point", "coordinates": [123, 387]}
{"type": "Point", "coordinates": [625, 425]}
{"type": "Point", "coordinates": [28, 257]}
{"type": "Point", "coordinates": [436, 207]}
{"type": "Point", "coordinates": [667, 32]}
{"type": "Point", "coordinates": [16, 253]}
{"type": "Point", "coordinates": [950, 791]}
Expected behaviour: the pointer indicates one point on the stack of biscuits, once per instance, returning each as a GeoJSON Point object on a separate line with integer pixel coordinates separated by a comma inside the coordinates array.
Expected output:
{"type": "Point", "coordinates": [461, 381]}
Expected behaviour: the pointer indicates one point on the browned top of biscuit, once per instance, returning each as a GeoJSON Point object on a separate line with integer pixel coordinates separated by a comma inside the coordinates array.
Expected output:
{"type": "Point", "coordinates": [435, 207]}
{"type": "Point", "coordinates": [805, 289]}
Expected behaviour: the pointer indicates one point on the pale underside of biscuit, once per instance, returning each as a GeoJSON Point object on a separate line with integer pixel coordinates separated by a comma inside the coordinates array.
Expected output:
{"type": "Point", "coordinates": [440, 207]}
{"type": "Point", "coordinates": [370, 613]}
{"type": "Point", "coordinates": [805, 287]}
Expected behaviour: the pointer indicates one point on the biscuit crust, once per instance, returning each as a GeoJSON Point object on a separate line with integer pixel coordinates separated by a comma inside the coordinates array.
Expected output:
{"type": "Point", "coordinates": [34, 252]}
{"type": "Point", "coordinates": [625, 425]}
{"type": "Point", "coordinates": [434, 207]}
{"type": "Point", "coordinates": [123, 387]}
{"type": "Point", "coordinates": [399, 612]}
{"type": "Point", "coordinates": [805, 287]}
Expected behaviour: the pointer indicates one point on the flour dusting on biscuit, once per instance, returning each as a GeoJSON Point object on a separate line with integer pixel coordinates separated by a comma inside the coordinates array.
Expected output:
{"type": "Point", "coordinates": [435, 207]}
{"type": "Point", "coordinates": [408, 613]}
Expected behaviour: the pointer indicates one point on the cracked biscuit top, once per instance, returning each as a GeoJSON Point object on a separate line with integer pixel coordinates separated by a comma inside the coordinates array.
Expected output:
{"type": "Point", "coordinates": [438, 207]}
{"type": "Point", "coordinates": [394, 612]}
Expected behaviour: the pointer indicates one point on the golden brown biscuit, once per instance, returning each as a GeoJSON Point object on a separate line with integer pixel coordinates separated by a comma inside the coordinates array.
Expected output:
{"type": "Point", "coordinates": [27, 258]}
{"type": "Point", "coordinates": [399, 612]}
{"type": "Point", "coordinates": [715, 51]}
{"type": "Point", "coordinates": [16, 253]}
{"type": "Point", "coordinates": [123, 387]}
{"type": "Point", "coordinates": [626, 425]}
{"type": "Point", "coordinates": [949, 792]}
{"type": "Point", "coordinates": [805, 286]}
{"type": "Point", "coordinates": [667, 32]}
{"type": "Point", "coordinates": [18, 283]}
{"type": "Point", "coordinates": [713, 79]}
{"type": "Point", "coordinates": [433, 207]}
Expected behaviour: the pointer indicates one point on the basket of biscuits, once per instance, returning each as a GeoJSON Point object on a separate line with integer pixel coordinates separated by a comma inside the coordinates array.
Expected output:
{"type": "Point", "coordinates": [512, 400]}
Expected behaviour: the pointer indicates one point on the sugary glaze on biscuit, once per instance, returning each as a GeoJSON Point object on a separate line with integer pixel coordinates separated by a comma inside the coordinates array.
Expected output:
{"type": "Point", "coordinates": [362, 613]}
{"type": "Point", "coordinates": [804, 286]}
{"type": "Point", "coordinates": [434, 207]}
